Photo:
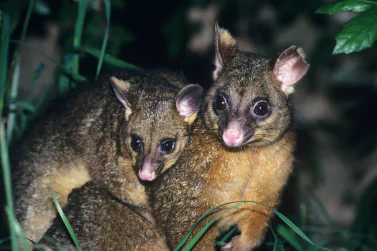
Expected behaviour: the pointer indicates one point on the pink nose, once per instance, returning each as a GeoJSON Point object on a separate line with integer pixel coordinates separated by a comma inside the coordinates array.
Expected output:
{"type": "Point", "coordinates": [232, 135]}
{"type": "Point", "coordinates": [145, 175]}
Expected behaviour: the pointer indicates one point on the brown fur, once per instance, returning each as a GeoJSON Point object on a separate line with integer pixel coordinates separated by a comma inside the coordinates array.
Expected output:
{"type": "Point", "coordinates": [99, 219]}
{"type": "Point", "coordinates": [87, 136]}
{"type": "Point", "coordinates": [218, 175]}
{"type": "Point", "coordinates": [210, 173]}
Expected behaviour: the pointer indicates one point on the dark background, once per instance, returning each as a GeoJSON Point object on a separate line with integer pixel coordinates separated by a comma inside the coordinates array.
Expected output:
{"type": "Point", "coordinates": [335, 104]}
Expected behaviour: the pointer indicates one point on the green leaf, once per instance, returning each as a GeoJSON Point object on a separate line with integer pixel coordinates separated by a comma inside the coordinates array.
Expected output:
{"type": "Point", "coordinates": [226, 237]}
{"type": "Point", "coordinates": [24, 105]}
{"type": "Point", "coordinates": [16, 76]}
{"type": "Point", "coordinates": [5, 26]}
{"type": "Point", "coordinates": [108, 58]}
{"type": "Point", "coordinates": [104, 44]}
{"type": "Point", "coordinates": [347, 5]}
{"type": "Point", "coordinates": [187, 235]}
{"type": "Point", "coordinates": [289, 237]}
{"type": "Point", "coordinates": [280, 215]}
{"type": "Point", "coordinates": [83, 6]}
{"type": "Point", "coordinates": [65, 220]}
{"type": "Point", "coordinates": [199, 235]}
{"type": "Point", "coordinates": [358, 33]}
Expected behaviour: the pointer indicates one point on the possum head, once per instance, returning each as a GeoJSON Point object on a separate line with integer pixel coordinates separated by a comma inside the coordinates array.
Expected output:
{"type": "Point", "coordinates": [248, 102]}
{"type": "Point", "coordinates": [159, 115]}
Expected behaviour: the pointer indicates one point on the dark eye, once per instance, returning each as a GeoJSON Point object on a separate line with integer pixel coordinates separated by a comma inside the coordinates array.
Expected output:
{"type": "Point", "coordinates": [136, 143]}
{"type": "Point", "coordinates": [220, 104]}
{"type": "Point", "coordinates": [167, 145]}
{"type": "Point", "coordinates": [261, 108]}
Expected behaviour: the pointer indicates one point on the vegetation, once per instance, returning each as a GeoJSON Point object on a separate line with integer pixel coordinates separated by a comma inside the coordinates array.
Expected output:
{"type": "Point", "coordinates": [82, 40]}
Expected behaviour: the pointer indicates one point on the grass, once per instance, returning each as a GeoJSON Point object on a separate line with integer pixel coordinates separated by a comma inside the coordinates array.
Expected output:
{"type": "Point", "coordinates": [16, 121]}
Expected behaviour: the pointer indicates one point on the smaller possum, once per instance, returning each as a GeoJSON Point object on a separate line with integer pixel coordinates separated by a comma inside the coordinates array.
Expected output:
{"type": "Point", "coordinates": [131, 120]}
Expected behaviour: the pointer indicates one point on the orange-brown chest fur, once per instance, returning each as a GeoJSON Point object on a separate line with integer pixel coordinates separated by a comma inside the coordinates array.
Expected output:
{"type": "Point", "coordinates": [254, 173]}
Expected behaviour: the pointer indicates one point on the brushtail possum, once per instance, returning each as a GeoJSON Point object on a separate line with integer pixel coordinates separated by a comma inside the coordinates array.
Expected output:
{"type": "Point", "coordinates": [241, 149]}
{"type": "Point", "coordinates": [130, 120]}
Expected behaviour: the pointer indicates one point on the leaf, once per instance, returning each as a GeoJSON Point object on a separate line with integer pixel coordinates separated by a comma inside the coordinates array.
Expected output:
{"type": "Point", "coordinates": [187, 235]}
{"type": "Point", "coordinates": [65, 220]}
{"type": "Point", "coordinates": [104, 44]}
{"type": "Point", "coordinates": [280, 215]}
{"type": "Point", "coordinates": [358, 33]}
{"type": "Point", "coordinates": [199, 235]}
{"type": "Point", "coordinates": [83, 6]}
{"type": "Point", "coordinates": [4, 50]}
{"type": "Point", "coordinates": [347, 5]}
{"type": "Point", "coordinates": [24, 105]}
{"type": "Point", "coordinates": [289, 237]}
{"type": "Point", "coordinates": [108, 58]}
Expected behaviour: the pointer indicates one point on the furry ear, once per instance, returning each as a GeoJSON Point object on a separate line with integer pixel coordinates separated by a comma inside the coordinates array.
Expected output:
{"type": "Point", "coordinates": [226, 47]}
{"type": "Point", "coordinates": [289, 68]}
{"type": "Point", "coordinates": [188, 102]}
{"type": "Point", "coordinates": [121, 88]}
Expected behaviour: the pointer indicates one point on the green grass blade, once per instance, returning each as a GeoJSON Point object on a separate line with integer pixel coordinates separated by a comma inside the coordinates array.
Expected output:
{"type": "Point", "coordinates": [17, 228]}
{"type": "Point", "coordinates": [276, 240]}
{"type": "Point", "coordinates": [24, 105]}
{"type": "Point", "coordinates": [83, 6]}
{"type": "Point", "coordinates": [13, 97]}
{"type": "Point", "coordinates": [27, 19]}
{"type": "Point", "coordinates": [4, 48]}
{"type": "Point", "coordinates": [16, 77]}
{"type": "Point", "coordinates": [289, 237]}
{"type": "Point", "coordinates": [226, 237]}
{"type": "Point", "coordinates": [104, 43]}
{"type": "Point", "coordinates": [7, 184]}
{"type": "Point", "coordinates": [199, 235]}
{"type": "Point", "coordinates": [36, 75]}
{"type": "Point", "coordinates": [290, 224]}
{"type": "Point", "coordinates": [64, 83]}
{"type": "Point", "coordinates": [107, 58]}
{"type": "Point", "coordinates": [320, 245]}
{"type": "Point", "coordinates": [287, 221]}
{"type": "Point", "coordinates": [65, 220]}
{"type": "Point", "coordinates": [184, 239]}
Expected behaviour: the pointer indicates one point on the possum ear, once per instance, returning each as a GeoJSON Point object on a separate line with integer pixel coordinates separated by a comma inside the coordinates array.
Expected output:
{"type": "Point", "coordinates": [226, 47]}
{"type": "Point", "coordinates": [121, 88]}
{"type": "Point", "coordinates": [188, 102]}
{"type": "Point", "coordinates": [289, 68]}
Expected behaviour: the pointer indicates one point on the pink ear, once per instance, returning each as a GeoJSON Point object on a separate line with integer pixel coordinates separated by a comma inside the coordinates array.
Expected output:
{"type": "Point", "coordinates": [289, 68]}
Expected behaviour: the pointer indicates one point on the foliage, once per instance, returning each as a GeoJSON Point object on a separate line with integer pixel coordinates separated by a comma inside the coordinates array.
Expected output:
{"type": "Point", "coordinates": [358, 33]}
{"type": "Point", "coordinates": [105, 45]}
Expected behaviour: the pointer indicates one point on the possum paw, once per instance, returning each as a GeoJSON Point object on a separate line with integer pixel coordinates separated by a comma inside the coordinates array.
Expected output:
{"type": "Point", "coordinates": [229, 246]}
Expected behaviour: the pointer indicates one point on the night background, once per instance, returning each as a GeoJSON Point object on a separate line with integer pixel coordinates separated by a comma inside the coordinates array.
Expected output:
{"type": "Point", "coordinates": [332, 195]}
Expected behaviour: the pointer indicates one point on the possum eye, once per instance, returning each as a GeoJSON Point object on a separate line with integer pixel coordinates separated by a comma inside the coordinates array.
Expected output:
{"type": "Point", "coordinates": [136, 143]}
{"type": "Point", "coordinates": [261, 109]}
{"type": "Point", "coordinates": [167, 145]}
{"type": "Point", "coordinates": [219, 104]}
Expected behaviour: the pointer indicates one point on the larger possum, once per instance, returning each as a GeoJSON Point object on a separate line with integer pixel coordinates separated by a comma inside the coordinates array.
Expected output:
{"type": "Point", "coordinates": [241, 149]}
